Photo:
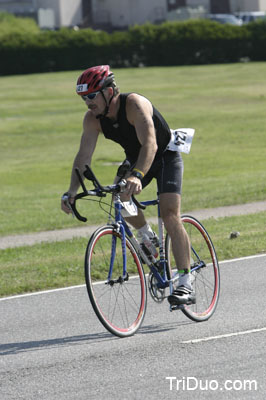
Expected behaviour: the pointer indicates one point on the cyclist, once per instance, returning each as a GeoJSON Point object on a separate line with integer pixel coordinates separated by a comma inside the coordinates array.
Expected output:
{"type": "Point", "coordinates": [131, 120]}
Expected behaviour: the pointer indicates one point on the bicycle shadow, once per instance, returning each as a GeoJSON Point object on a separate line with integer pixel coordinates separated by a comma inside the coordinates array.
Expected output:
{"type": "Point", "coordinates": [21, 347]}
{"type": "Point", "coordinates": [159, 328]}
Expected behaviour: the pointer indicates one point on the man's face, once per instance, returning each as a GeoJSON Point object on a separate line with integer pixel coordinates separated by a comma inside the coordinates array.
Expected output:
{"type": "Point", "coordinates": [95, 102]}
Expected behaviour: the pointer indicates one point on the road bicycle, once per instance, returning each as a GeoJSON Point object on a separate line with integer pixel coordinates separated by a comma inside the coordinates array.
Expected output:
{"type": "Point", "coordinates": [117, 265]}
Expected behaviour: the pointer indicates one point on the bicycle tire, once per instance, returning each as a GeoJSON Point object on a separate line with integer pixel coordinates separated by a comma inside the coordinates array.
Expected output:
{"type": "Point", "coordinates": [205, 280]}
{"type": "Point", "coordinates": [119, 306]}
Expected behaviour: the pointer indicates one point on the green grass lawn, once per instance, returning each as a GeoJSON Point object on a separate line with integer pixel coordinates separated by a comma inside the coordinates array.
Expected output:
{"type": "Point", "coordinates": [41, 122]}
{"type": "Point", "coordinates": [60, 264]}
{"type": "Point", "coordinates": [40, 128]}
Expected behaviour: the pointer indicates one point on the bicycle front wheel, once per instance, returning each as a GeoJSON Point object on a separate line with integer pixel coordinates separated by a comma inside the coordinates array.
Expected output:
{"type": "Point", "coordinates": [119, 299]}
{"type": "Point", "coordinates": [204, 270]}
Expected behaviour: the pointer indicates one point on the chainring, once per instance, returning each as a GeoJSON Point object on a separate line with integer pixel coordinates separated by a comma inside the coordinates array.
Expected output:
{"type": "Point", "coordinates": [157, 294]}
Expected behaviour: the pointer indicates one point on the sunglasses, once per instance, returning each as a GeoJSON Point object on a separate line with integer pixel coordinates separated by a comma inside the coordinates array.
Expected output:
{"type": "Point", "coordinates": [89, 96]}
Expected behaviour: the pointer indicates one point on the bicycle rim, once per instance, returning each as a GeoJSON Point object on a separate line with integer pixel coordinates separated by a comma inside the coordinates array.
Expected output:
{"type": "Point", "coordinates": [206, 278]}
{"type": "Point", "coordinates": [120, 304]}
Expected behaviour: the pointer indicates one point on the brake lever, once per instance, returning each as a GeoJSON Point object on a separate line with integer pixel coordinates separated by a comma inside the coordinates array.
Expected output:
{"type": "Point", "coordinates": [76, 213]}
{"type": "Point", "coordinates": [74, 209]}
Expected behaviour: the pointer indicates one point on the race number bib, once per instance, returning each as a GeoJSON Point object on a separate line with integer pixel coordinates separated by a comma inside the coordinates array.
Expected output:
{"type": "Point", "coordinates": [129, 209]}
{"type": "Point", "coordinates": [181, 140]}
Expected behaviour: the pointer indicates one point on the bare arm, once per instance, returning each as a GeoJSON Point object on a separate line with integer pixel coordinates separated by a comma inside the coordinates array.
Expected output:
{"type": "Point", "coordinates": [88, 142]}
{"type": "Point", "coordinates": [139, 114]}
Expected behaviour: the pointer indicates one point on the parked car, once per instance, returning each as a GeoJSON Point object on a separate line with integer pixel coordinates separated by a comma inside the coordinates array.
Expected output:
{"type": "Point", "coordinates": [225, 19]}
{"type": "Point", "coordinates": [251, 16]}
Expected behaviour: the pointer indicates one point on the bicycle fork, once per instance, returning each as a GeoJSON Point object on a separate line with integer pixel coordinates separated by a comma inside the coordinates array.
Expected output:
{"type": "Point", "coordinates": [124, 276]}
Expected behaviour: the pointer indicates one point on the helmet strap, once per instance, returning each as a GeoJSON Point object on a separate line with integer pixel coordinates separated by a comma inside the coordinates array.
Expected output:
{"type": "Point", "coordinates": [99, 116]}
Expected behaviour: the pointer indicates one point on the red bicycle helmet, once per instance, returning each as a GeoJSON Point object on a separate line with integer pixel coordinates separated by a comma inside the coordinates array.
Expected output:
{"type": "Point", "coordinates": [94, 79]}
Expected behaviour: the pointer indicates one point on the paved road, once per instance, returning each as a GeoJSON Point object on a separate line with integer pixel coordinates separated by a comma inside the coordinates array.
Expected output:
{"type": "Point", "coordinates": [53, 347]}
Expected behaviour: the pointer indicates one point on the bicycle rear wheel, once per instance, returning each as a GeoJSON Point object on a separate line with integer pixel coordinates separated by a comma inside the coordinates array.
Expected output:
{"type": "Point", "coordinates": [204, 270]}
{"type": "Point", "coordinates": [119, 302]}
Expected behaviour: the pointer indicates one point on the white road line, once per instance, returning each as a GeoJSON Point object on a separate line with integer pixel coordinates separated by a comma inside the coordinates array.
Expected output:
{"type": "Point", "coordinates": [226, 335]}
{"type": "Point", "coordinates": [41, 292]}
{"type": "Point", "coordinates": [79, 286]}
{"type": "Point", "coordinates": [242, 258]}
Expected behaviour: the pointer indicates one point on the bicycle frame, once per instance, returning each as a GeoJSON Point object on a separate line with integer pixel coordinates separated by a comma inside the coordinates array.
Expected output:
{"type": "Point", "coordinates": [122, 227]}
{"type": "Point", "coordinates": [120, 306]}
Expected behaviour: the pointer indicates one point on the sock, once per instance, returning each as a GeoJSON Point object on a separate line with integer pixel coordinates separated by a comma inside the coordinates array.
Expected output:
{"type": "Point", "coordinates": [185, 279]}
{"type": "Point", "coordinates": [145, 230]}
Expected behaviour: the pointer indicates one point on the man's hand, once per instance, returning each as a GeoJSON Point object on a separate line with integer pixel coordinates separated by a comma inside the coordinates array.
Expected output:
{"type": "Point", "coordinates": [134, 186]}
{"type": "Point", "coordinates": [66, 200]}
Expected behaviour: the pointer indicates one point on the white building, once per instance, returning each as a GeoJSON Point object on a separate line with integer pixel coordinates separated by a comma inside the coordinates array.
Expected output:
{"type": "Point", "coordinates": [119, 14]}
{"type": "Point", "coordinates": [53, 13]}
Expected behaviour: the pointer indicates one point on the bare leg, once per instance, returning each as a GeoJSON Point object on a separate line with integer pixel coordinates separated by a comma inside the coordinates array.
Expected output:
{"type": "Point", "coordinates": [137, 221]}
{"type": "Point", "coordinates": [170, 204]}
{"type": "Point", "coordinates": [170, 211]}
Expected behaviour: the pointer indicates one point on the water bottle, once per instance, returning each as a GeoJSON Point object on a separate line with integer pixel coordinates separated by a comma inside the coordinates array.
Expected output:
{"type": "Point", "coordinates": [148, 248]}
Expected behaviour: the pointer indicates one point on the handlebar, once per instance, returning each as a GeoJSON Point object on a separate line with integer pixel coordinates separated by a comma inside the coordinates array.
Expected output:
{"type": "Point", "coordinates": [99, 191]}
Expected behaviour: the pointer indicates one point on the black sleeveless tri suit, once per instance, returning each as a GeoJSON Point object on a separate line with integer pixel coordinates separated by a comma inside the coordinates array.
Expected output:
{"type": "Point", "coordinates": [167, 166]}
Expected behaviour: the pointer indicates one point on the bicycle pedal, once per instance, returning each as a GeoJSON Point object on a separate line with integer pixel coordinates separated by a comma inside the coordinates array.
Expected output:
{"type": "Point", "coordinates": [176, 307]}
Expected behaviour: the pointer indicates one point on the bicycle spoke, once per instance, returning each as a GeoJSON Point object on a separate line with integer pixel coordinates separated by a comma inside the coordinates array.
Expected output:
{"type": "Point", "coordinates": [205, 278]}
{"type": "Point", "coordinates": [119, 303]}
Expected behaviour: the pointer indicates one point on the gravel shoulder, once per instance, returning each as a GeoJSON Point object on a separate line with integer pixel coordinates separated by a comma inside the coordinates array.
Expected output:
{"type": "Point", "coordinates": [85, 231]}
